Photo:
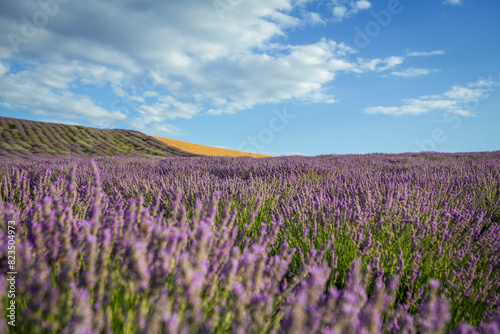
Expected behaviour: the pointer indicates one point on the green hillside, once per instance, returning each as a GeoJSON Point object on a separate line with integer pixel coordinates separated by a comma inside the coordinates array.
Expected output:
{"type": "Point", "coordinates": [22, 138]}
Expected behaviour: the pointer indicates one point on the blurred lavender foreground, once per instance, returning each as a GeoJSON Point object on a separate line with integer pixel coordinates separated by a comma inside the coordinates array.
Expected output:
{"type": "Point", "coordinates": [332, 244]}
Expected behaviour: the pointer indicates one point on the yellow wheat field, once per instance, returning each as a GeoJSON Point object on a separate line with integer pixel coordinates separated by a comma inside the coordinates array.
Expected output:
{"type": "Point", "coordinates": [207, 150]}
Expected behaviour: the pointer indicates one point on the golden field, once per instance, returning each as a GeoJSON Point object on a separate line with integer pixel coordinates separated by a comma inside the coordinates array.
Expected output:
{"type": "Point", "coordinates": [207, 150]}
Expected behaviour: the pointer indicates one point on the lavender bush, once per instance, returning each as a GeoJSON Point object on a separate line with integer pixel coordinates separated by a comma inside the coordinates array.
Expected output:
{"type": "Point", "coordinates": [333, 244]}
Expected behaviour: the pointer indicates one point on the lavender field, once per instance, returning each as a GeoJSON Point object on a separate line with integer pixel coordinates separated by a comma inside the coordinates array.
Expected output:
{"type": "Point", "coordinates": [25, 139]}
{"type": "Point", "coordinates": [376, 243]}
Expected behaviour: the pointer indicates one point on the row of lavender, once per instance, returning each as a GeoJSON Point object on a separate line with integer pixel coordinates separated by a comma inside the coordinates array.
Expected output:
{"type": "Point", "coordinates": [331, 244]}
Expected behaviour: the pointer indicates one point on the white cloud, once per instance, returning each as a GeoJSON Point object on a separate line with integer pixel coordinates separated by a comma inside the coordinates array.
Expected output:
{"type": "Point", "coordinates": [47, 90]}
{"type": "Point", "coordinates": [453, 2]}
{"type": "Point", "coordinates": [339, 11]}
{"type": "Point", "coordinates": [413, 72]}
{"type": "Point", "coordinates": [464, 93]}
{"type": "Point", "coordinates": [392, 62]}
{"type": "Point", "coordinates": [312, 18]}
{"type": "Point", "coordinates": [3, 69]}
{"type": "Point", "coordinates": [203, 65]}
{"type": "Point", "coordinates": [168, 108]}
{"type": "Point", "coordinates": [425, 54]}
{"type": "Point", "coordinates": [414, 107]}
{"type": "Point", "coordinates": [456, 101]}
{"type": "Point", "coordinates": [265, 78]}
{"type": "Point", "coordinates": [377, 65]}
{"type": "Point", "coordinates": [348, 8]}
{"type": "Point", "coordinates": [158, 129]}
{"type": "Point", "coordinates": [363, 4]}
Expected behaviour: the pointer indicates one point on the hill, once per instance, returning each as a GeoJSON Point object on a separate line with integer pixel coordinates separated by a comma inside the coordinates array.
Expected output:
{"type": "Point", "coordinates": [22, 138]}
{"type": "Point", "coordinates": [207, 150]}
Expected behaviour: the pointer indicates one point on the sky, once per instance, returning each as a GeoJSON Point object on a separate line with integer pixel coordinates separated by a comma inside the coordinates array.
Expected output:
{"type": "Point", "coordinates": [276, 77]}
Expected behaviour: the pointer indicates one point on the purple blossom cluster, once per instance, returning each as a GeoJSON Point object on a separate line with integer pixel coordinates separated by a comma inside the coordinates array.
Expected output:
{"type": "Point", "coordinates": [332, 244]}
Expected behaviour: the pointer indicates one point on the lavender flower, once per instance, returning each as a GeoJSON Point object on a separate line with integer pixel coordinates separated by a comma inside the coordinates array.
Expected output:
{"type": "Point", "coordinates": [344, 244]}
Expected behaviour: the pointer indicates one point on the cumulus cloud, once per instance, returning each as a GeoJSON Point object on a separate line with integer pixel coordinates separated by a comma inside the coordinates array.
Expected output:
{"type": "Point", "coordinates": [339, 11]}
{"type": "Point", "coordinates": [363, 4]}
{"type": "Point", "coordinates": [347, 8]}
{"type": "Point", "coordinates": [458, 100]}
{"type": "Point", "coordinates": [314, 19]}
{"type": "Point", "coordinates": [167, 60]}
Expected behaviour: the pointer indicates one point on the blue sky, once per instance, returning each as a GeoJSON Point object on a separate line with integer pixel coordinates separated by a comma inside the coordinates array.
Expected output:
{"type": "Point", "coordinates": [276, 77]}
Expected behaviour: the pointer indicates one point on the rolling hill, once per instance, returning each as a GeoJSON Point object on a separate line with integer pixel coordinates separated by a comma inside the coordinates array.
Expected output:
{"type": "Point", "coordinates": [22, 138]}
